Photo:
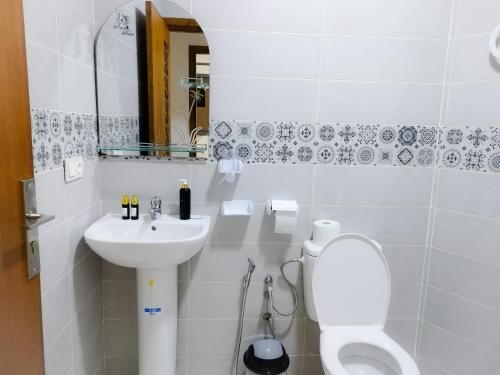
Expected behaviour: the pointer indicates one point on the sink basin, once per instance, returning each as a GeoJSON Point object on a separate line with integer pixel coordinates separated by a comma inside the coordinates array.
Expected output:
{"type": "Point", "coordinates": [155, 248]}
{"type": "Point", "coordinates": [144, 243]}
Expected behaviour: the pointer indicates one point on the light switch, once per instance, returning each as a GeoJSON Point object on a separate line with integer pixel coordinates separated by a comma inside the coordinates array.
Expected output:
{"type": "Point", "coordinates": [73, 169]}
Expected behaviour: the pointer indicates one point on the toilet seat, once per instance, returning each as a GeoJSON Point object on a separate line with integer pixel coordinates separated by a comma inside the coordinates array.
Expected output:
{"type": "Point", "coordinates": [351, 287]}
{"type": "Point", "coordinates": [334, 339]}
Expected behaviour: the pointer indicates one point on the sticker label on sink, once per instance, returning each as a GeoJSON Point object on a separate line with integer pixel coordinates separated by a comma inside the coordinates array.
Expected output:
{"type": "Point", "coordinates": [152, 310]}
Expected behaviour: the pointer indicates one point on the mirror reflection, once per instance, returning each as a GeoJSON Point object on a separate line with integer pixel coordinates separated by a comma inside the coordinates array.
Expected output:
{"type": "Point", "coordinates": [152, 82]}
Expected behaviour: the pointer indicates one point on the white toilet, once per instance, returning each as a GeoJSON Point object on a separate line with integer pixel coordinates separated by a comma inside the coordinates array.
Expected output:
{"type": "Point", "coordinates": [351, 291]}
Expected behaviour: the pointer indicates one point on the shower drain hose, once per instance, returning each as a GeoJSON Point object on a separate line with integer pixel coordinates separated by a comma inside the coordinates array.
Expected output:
{"type": "Point", "coordinates": [292, 288]}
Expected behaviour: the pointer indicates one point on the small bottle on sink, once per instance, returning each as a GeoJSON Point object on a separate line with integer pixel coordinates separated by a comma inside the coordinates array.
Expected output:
{"type": "Point", "coordinates": [134, 208]}
{"type": "Point", "coordinates": [125, 207]}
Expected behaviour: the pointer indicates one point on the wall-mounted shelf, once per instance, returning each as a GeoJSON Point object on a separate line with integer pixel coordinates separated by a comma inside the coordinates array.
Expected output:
{"type": "Point", "coordinates": [194, 83]}
{"type": "Point", "coordinates": [151, 147]}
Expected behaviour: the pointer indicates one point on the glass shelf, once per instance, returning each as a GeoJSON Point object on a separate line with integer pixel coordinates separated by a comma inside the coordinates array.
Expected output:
{"type": "Point", "coordinates": [195, 83]}
{"type": "Point", "coordinates": [151, 147]}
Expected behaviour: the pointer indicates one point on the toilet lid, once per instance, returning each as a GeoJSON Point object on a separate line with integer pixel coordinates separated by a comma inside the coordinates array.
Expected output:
{"type": "Point", "coordinates": [351, 282]}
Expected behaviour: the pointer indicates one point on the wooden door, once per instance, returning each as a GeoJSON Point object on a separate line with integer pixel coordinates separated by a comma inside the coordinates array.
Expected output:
{"type": "Point", "coordinates": [21, 348]}
{"type": "Point", "coordinates": [158, 47]}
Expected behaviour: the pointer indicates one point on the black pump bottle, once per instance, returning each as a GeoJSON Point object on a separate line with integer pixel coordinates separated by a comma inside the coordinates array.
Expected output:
{"type": "Point", "coordinates": [184, 201]}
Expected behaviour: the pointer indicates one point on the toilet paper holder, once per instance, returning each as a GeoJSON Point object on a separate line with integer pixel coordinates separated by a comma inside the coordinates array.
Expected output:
{"type": "Point", "coordinates": [281, 205]}
{"type": "Point", "coordinates": [285, 215]}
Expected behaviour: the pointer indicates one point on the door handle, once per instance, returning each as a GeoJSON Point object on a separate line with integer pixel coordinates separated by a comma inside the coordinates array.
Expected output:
{"type": "Point", "coordinates": [33, 220]}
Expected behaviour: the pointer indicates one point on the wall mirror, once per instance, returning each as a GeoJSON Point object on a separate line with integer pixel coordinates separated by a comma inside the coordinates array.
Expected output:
{"type": "Point", "coordinates": [152, 82]}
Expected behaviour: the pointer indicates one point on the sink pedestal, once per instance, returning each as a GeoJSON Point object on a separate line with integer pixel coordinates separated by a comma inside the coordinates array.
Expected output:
{"type": "Point", "coordinates": [157, 320]}
{"type": "Point", "coordinates": [154, 248]}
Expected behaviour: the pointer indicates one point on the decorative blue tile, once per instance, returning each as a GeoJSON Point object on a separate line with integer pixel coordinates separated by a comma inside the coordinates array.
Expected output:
{"type": "Point", "coordinates": [58, 135]}
{"type": "Point", "coordinates": [365, 155]}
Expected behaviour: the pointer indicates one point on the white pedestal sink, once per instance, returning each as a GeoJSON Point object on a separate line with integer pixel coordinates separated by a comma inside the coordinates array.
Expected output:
{"type": "Point", "coordinates": [155, 248]}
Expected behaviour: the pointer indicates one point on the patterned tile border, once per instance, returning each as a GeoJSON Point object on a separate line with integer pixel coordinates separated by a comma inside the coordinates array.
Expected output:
{"type": "Point", "coordinates": [58, 135]}
{"type": "Point", "coordinates": [335, 144]}
{"type": "Point", "coordinates": [470, 148]}
{"type": "Point", "coordinates": [466, 148]}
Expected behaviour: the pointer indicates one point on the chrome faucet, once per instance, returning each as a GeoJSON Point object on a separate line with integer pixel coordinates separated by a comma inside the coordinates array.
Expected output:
{"type": "Point", "coordinates": [155, 210]}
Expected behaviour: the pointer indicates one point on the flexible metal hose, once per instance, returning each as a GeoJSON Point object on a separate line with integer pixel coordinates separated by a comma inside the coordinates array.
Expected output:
{"type": "Point", "coordinates": [291, 286]}
{"type": "Point", "coordinates": [269, 285]}
{"type": "Point", "coordinates": [251, 268]}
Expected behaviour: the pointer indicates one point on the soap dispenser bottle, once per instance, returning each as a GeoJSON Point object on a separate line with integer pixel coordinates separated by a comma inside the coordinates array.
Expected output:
{"type": "Point", "coordinates": [184, 201]}
{"type": "Point", "coordinates": [134, 208]}
{"type": "Point", "coordinates": [125, 207]}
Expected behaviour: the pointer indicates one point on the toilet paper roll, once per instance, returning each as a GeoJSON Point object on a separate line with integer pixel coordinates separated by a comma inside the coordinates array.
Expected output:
{"type": "Point", "coordinates": [285, 221]}
{"type": "Point", "coordinates": [324, 231]}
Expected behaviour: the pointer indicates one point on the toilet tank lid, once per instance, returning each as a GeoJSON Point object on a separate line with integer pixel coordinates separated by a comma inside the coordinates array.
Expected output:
{"type": "Point", "coordinates": [351, 282]}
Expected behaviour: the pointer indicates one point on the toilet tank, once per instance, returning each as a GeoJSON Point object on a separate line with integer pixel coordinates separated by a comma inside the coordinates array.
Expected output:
{"type": "Point", "coordinates": [323, 232]}
{"type": "Point", "coordinates": [311, 253]}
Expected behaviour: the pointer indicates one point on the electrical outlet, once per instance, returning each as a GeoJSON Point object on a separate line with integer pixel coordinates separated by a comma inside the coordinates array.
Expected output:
{"type": "Point", "coordinates": [73, 169]}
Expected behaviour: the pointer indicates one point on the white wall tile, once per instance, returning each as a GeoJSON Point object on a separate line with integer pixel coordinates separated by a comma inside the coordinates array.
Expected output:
{"type": "Point", "coordinates": [474, 17]}
{"type": "Point", "coordinates": [126, 176]}
{"type": "Point", "coordinates": [391, 186]}
{"type": "Point", "coordinates": [102, 9]}
{"type": "Point", "coordinates": [85, 278]}
{"type": "Point", "coordinates": [383, 59]}
{"type": "Point", "coordinates": [474, 104]}
{"type": "Point", "coordinates": [474, 322]}
{"type": "Point", "coordinates": [380, 103]}
{"type": "Point", "coordinates": [122, 366]}
{"type": "Point", "coordinates": [85, 192]}
{"type": "Point", "coordinates": [214, 300]}
{"type": "Point", "coordinates": [75, 228]}
{"type": "Point", "coordinates": [120, 339]}
{"type": "Point", "coordinates": [455, 355]}
{"type": "Point", "coordinates": [120, 299]}
{"type": "Point", "coordinates": [58, 355]}
{"type": "Point", "coordinates": [90, 362]}
{"type": "Point", "coordinates": [405, 262]}
{"type": "Point", "coordinates": [257, 182]}
{"type": "Point", "coordinates": [210, 366]}
{"type": "Point", "coordinates": [259, 227]}
{"type": "Point", "coordinates": [405, 298]}
{"type": "Point", "coordinates": [259, 54]}
{"type": "Point", "coordinates": [176, 8]}
{"type": "Point", "coordinates": [403, 331]}
{"type": "Point", "coordinates": [85, 324]}
{"type": "Point", "coordinates": [391, 225]}
{"type": "Point", "coordinates": [77, 86]}
{"type": "Point", "coordinates": [49, 190]}
{"type": "Point", "coordinates": [76, 33]}
{"type": "Point", "coordinates": [86, 7]}
{"type": "Point", "coordinates": [243, 98]}
{"type": "Point", "coordinates": [465, 277]}
{"type": "Point", "coordinates": [55, 310]}
{"type": "Point", "coordinates": [467, 235]}
{"type": "Point", "coordinates": [472, 61]}
{"type": "Point", "coordinates": [406, 18]}
{"type": "Point", "coordinates": [477, 194]}
{"type": "Point", "coordinates": [228, 262]}
{"type": "Point", "coordinates": [212, 339]}
{"type": "Point", "coordinates": [53, 256]}
{"type": "Point", "coordinates": [43, 75]}
{"type": "Point", "coordinates": [40, 23]}
{"type": "Point", "coordinates": [429, 368]}
{"type": "Point", "coordinates": [300, 16]}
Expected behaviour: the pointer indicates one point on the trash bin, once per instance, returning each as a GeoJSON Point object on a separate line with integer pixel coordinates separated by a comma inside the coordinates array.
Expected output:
{"type": "Point", "coordinates": [266, 357]}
